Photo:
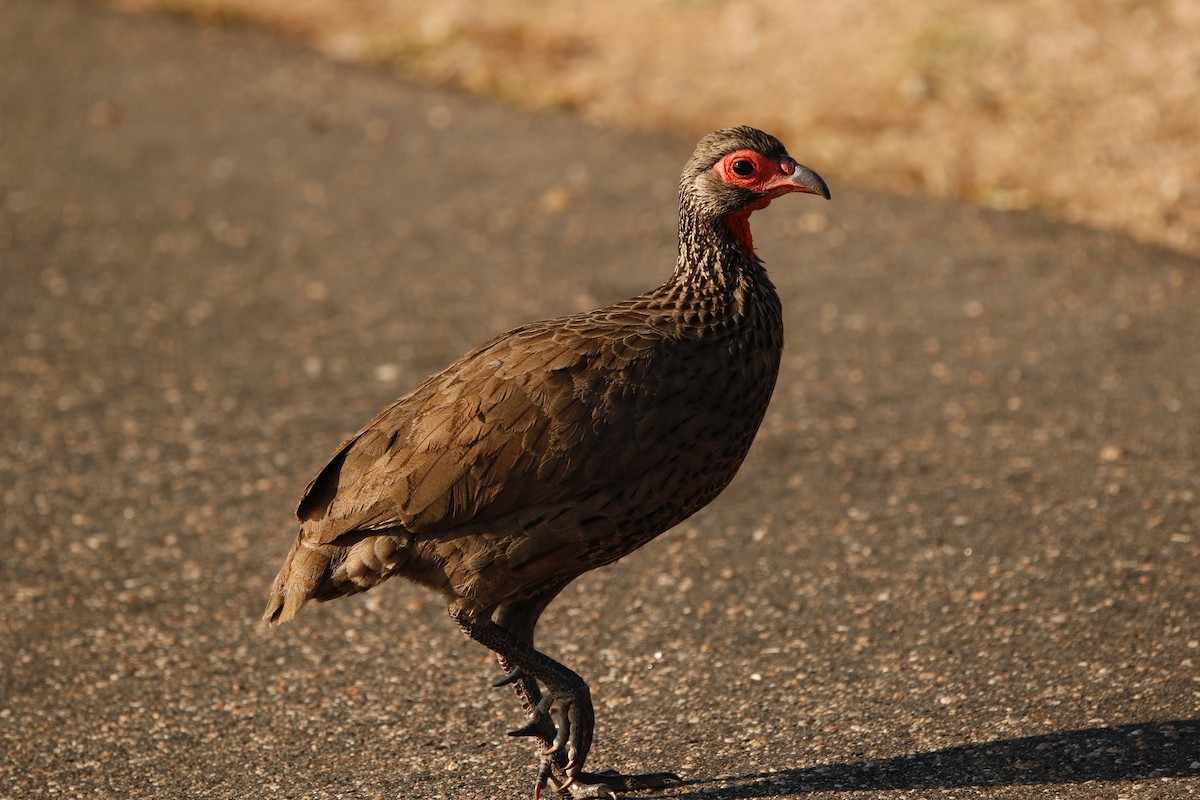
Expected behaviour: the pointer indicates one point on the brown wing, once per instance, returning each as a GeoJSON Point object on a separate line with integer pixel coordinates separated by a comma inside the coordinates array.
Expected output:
{"type": "Point", "coordinates": [526, 419]}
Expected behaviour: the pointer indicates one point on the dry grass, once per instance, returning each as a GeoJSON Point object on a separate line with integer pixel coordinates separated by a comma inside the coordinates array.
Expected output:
{"type": "Point", "coordinates": [1086, 109]}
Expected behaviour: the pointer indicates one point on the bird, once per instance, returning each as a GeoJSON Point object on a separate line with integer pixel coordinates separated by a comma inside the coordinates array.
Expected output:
{"type": "Point", "coordinates": [562, 446]}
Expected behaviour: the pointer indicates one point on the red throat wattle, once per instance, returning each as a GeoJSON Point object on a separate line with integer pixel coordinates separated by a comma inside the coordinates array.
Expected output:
{"type": "Point", "coordinates": [739, 225]}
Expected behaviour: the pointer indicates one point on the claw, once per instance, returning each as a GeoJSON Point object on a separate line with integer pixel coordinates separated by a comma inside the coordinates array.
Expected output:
{"type": "Point", "coordinates": [543, 777]}
{"type": "Point", "coordinates": [582, 787]}
{"type": "Point", "coordinates": [511, 677]}
{"type": "Point", "coordinates": [560, 739]}
{"type": "Point", "coordinates": [530, 729]}
{"type": "Point", "coordinates": [533, 727]}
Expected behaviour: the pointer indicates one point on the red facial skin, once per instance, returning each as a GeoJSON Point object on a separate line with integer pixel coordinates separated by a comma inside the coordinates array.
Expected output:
{"type": "Point", "coordinates": [769, 177]}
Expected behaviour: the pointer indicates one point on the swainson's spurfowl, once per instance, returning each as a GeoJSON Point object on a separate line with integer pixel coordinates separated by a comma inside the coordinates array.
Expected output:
{"type": "Point", "coordinates": [561, 446]}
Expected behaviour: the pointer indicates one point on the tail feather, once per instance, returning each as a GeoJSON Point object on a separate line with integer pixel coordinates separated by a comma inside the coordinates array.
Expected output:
{"type": "Point", "coordinates": [325, 571]}
{"type": "Point", "coordinates": [301, 573]}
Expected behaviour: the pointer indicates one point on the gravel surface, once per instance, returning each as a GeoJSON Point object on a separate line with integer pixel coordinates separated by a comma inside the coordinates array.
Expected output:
{"type": "Point", "coordinates": [961, 561]}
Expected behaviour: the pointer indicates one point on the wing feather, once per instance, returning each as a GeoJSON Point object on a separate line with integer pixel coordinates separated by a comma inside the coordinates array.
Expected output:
{"type": "Point", "coordinates": [505, 427]}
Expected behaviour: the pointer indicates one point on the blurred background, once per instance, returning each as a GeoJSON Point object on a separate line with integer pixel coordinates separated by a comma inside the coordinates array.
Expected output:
{"type": "Point", "coordinates": [1087, 110]}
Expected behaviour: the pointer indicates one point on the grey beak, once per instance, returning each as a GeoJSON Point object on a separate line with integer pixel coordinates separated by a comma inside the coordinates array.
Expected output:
{"type": "Point", "coordinates": [808, 181]}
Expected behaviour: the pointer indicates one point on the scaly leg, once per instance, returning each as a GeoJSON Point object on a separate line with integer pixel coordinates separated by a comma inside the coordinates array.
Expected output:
{"type": "Point", "coordinates": [565, 690]}
{"type": "Point", "coordinates": [519, 619]}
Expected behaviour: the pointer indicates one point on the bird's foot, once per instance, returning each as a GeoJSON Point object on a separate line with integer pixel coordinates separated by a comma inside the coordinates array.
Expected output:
{"type": "Point", "coordinates": [563, 720]}
{"type": "Point", "coordinates": [568, 736]}
{"type": "Point", "coordinates": [607, 785]}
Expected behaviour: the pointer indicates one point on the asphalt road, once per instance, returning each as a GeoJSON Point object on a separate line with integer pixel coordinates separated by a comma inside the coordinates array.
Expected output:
{"type": "Point", "coordinates": [961, 560]}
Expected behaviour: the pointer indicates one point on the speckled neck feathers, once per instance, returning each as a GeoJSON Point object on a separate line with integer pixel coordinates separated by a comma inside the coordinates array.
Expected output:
{"type": "Point", "coordinates": [717, 281]}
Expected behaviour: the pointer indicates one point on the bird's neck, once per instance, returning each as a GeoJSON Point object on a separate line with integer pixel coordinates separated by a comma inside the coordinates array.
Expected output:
{"type": "Point", "coordinates": [716, 267]}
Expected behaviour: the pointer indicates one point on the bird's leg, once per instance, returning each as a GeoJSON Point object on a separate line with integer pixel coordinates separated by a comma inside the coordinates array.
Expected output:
{"type": "Point", "coordinates": [551, 770]}
{"type": "Point", "coordinates": [567, 691]}
{"type": "Point", "coordinates": [519, 619]}
{"type": "Point", "coordinates": [539, 725]}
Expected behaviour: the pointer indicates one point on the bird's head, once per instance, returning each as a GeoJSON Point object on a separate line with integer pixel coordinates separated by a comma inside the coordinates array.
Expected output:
{"type": "Point", "coordinates": [736, 171]}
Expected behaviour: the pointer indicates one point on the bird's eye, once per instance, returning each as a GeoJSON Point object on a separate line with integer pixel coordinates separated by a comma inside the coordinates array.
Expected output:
{"type": "Point", "coordinates": [743, 168]}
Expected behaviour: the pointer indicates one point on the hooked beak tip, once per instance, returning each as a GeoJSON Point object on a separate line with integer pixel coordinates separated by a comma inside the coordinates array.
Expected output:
{"type": "Point", "coordinates": [805, 180]}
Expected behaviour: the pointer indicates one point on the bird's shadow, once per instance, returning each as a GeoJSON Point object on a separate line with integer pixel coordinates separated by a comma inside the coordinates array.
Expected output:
{"type": "Point", "coordinates": [1143, 751]}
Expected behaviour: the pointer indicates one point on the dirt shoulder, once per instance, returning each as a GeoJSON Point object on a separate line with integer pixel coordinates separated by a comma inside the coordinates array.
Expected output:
{"type": "Point", "coordinates": [1087, 111]}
